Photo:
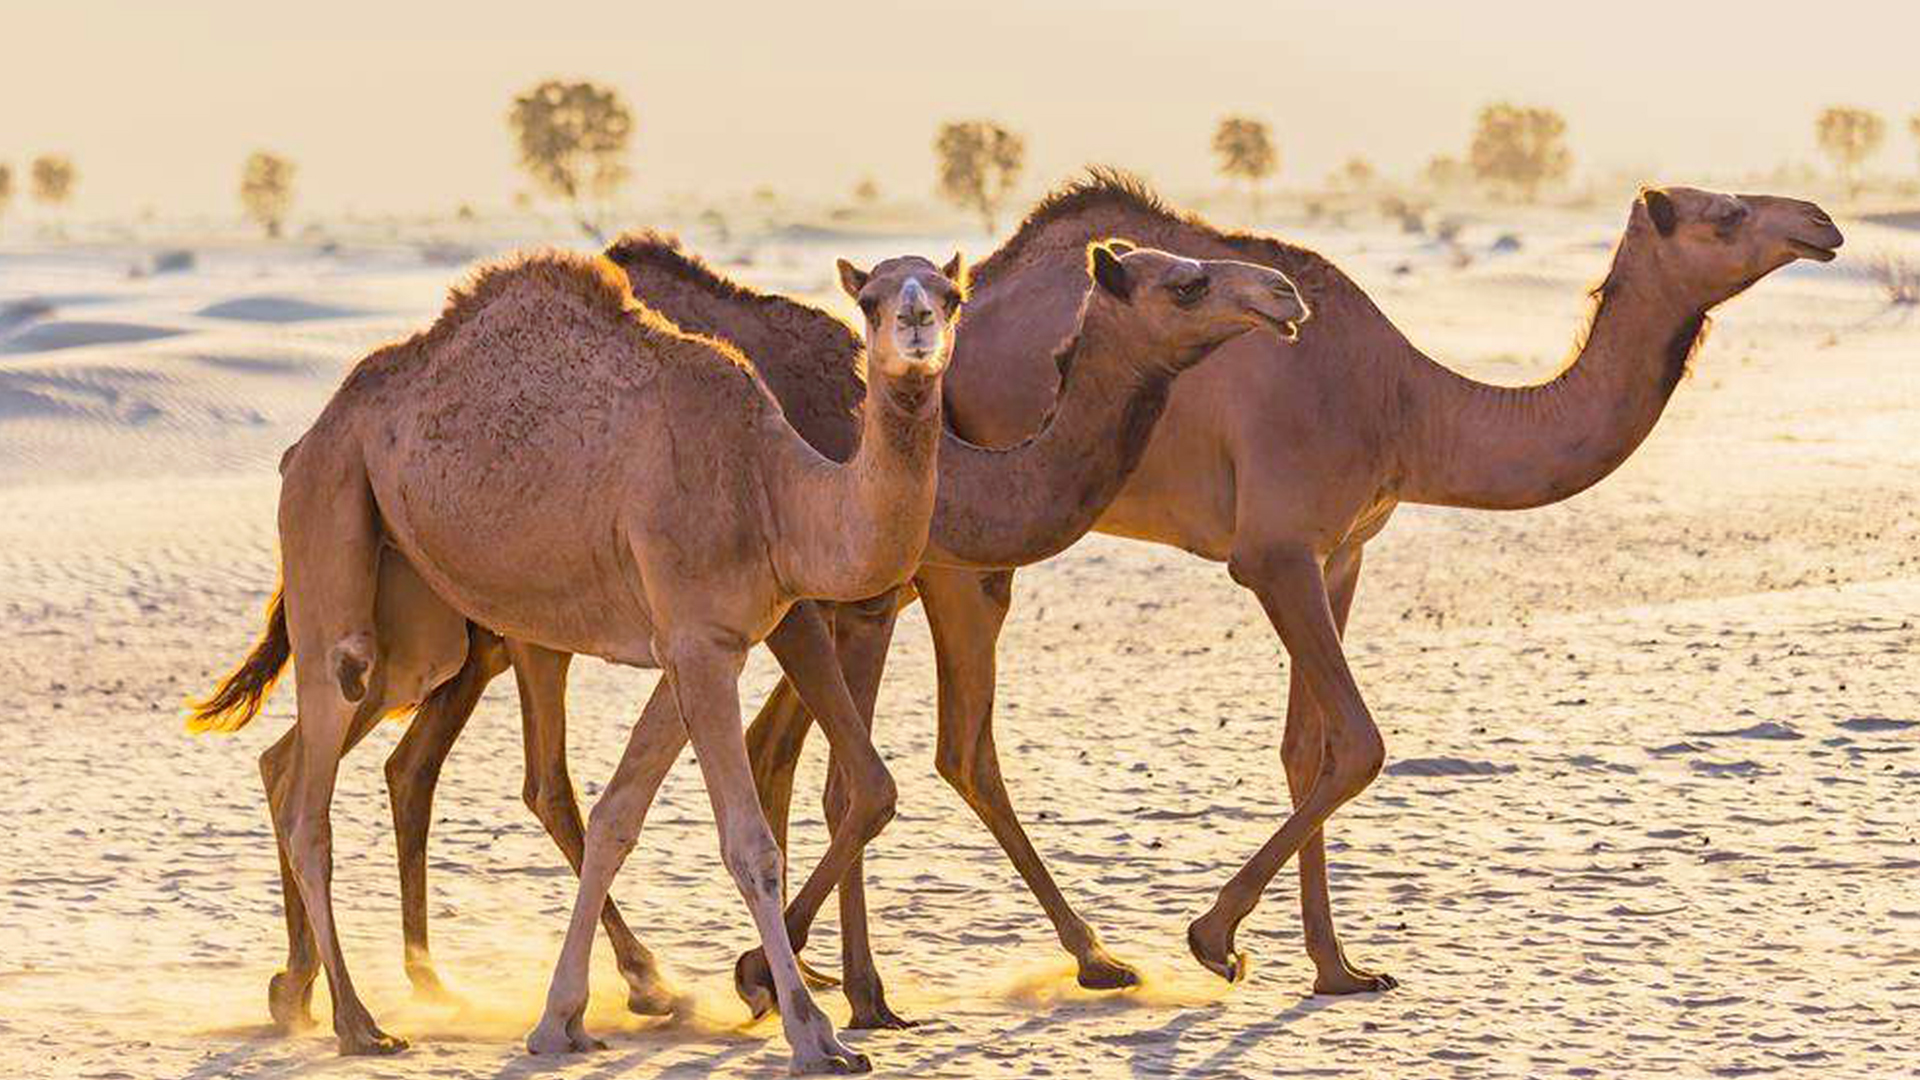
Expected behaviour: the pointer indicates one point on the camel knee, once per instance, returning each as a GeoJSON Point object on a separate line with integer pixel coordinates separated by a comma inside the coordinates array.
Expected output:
{"type": "Point", "coordinates": [609, 829]}
{"type": "Point", "coordinates": [954, 766]}
{"type": "Point", "coordinates": [871, 805]}
{"type": "Point", "coordinates": [755, 862]}
{"type": "Point", "coordinates": [551, 803]}
{"type": "Point", "coordinates": [1359, 753]}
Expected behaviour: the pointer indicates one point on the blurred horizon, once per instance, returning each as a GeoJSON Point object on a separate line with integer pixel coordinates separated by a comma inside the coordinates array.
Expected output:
{"type": "Point", "coordinates": [400, 108]}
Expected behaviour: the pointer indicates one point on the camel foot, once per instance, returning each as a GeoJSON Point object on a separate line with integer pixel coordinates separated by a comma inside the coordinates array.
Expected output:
{"type": "Point", "coordinates": [814, 977]}
{"type": "Point", "coordinates": [1099, 971]}
{"type": "Point", "coordinates": [845, 1062]}
{"type": "Point", "coordinates": [361, 1038]}
{"type": "Point", "coordinates": [290, 1001]}
{"type": "Point", "coordinates": [871, 1011]}
{"type": "Point", "coordinates": [816, 1049]}
{"type": "Point", "coordinates": [427, 986]}
{"type": "Point", "coordinates": [649, 995]}
{"type": "Point", "coordinates": [1355, 981]}
{"type": "Point", "coordinates": [1215, 950]}
{"type": "Point", "coordinates": [753, 981]}
{"type": "Point", "coordinates": [568, 1036]}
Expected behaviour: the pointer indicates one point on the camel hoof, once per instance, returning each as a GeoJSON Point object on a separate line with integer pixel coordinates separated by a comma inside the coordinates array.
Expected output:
{"type": "Point", "coordinates": [814, 977]}
{"type": "Point", "coordinates": [1229, 963]}
{"type": "Point", "coordinates": [1102, 972]}
{"type": "Point", "coordinates": [428, 988]}
{"type": "Point", "coordinates": [1356, 982]}
{"type": "Point", "coordinates": [370, 1043]}
{"type": "Point", "coordinates": [545, 1040]}
{"type": "Point", "coordinates": [651, 999]}
{"type": "Point", "coordinates": [838, 1063]}
{"type": "Point", "coordinates": [872, 1013]}
{"type": "Point", "coordinates": [291, 1006]}
{"type": "Point", "coordinates": [753, 981]}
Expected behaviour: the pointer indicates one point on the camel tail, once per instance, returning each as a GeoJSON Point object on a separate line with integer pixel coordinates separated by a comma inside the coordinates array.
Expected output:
{"type": "Point", "coordinates": [240, 695]}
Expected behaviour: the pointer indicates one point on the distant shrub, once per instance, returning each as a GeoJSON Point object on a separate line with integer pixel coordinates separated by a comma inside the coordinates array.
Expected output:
{"type": "Point", "coordinates": [1522, 148]}
{"type": "Point", "coordinates": [53, 179]}
{"type": "Point", "coordinates": [1898, 278]}
{"type": "Point", "coordinates": [1444, 172]}
{"type": "Point", "coordinates": [6, 188]}
{"type": "Point", "coordinates": [979, 163]}
{"type": "Point", "coordinates": [1849, 136]}
{"type": "Point", "coordinates": [266, 190]}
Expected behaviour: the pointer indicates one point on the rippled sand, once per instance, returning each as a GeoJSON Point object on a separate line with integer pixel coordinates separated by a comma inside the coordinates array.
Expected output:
{"type": "Point", "coordinates": [1653, 803]}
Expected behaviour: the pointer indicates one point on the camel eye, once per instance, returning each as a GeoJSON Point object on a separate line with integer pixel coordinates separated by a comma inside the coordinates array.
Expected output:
{"type": "Point", "coordinates": [1190, 292]}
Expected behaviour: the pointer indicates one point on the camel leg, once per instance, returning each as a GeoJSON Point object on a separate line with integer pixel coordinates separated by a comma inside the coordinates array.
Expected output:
{"type": "Point", "coordinates": [805, 648]}
{"type": "Point", "coordinates": [290, 992]}
{"type": "Point", "coordinates": [542, 677]}
{"type": "Point", "coordinates": [774, 741]}
{"type": "Point", "coordinates": [1292, 588]}
{"type": "Point", "coordinates": [965, 610]}
{"type": "Point", "coordinates": [862, 634]}
{"type": "Point", "coordinates": [1300, 752]}
{"type": "Point", "coordinates": [413, 772]}
{"type": "Point", "coordinates": [612, 829]}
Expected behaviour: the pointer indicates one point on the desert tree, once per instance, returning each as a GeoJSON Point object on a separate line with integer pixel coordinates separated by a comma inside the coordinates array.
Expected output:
{"type": "Point", "coordinates": [866, 192]}
{"type": "Point", "coordinates": [53, 179]}
{"type": "Point", "coordinates": [1244, 147]}
{"type": "Point", "coordinates": [572, 140]}
{"type": "Point", "coordinates": [1913, 127]}
{"type": "Point", "coordinates": [266, 190]}
{"type": "Point", "coordinates": [1521, 147]}
{"type": "Point", "coordinates": [979, 163]}
{"type": "Point", "coordinates": [1444, 172]}
{"type": "Point", "coordinates": [6, 187]}
{"type": "Point", "coordinates": [1849, 136]}
{"type": "Point", "coordinates": [1358, 173]}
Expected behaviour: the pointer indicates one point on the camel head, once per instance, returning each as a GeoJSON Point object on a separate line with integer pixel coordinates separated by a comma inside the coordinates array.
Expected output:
{"type": "Point", "coordinates": [1190, 305]}
{"type": "Point", "coordinates": [1715, 245]}
{"type": "Point", "coordinates": [910, 305]}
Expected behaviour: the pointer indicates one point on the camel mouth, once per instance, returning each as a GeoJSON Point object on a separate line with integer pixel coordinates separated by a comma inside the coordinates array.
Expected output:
{"type": "Point", "coordinates": [1287, 328]}
{"type": "Point", "coordinates": [1808, 250]}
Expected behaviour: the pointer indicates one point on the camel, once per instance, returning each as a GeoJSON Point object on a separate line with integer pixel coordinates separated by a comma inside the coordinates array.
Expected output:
{"type": "Point", "coordinates": [1151, 317]}
{"type": "Point", "coordinates": [553, 459]}
{"type": "Point", "coordinates": [1283, 464]}
{"type": "Point", "coordinates": [1004, 507]}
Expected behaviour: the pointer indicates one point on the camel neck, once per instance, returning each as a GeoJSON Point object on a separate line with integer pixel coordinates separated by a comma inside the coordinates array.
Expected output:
{"type": "Point", "coordinates": [1024, 503]}
{"type": "Point", "coordinates": [1507, 448]}
{"type": "Point", "coordinates": [857, 529]}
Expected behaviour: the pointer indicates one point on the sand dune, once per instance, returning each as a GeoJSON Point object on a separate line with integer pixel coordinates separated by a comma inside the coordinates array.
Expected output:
{"type": "Point", "coordinates": [1650, 807]}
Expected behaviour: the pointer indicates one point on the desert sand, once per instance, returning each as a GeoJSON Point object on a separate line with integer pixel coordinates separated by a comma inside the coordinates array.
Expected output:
{"type": "Point", "coordinates": [1652, 807]}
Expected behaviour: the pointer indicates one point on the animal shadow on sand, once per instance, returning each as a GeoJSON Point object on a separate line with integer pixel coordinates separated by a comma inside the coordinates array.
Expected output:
{"type": "Point", "coordinates": [1155, 1050]}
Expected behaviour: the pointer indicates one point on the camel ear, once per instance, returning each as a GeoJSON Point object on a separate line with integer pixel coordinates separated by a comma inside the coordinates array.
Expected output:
{"type": "Point", "coordinates": [852, 278]}
{"type": "Point", "coordinates": [955, 271]}
{"type": "Point", "coordinates": [1660, 208]}
{"type": "Point", "coordinates": [1108, 272]}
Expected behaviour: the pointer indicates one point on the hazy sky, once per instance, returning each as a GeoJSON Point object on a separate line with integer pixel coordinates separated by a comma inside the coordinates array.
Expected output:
{"type": "Point", "coordinates": [400, 104]}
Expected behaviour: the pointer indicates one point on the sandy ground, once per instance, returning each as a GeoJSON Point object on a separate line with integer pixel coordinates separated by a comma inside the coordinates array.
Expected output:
{"type": "Point", "coordinates": [1651, 806]}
